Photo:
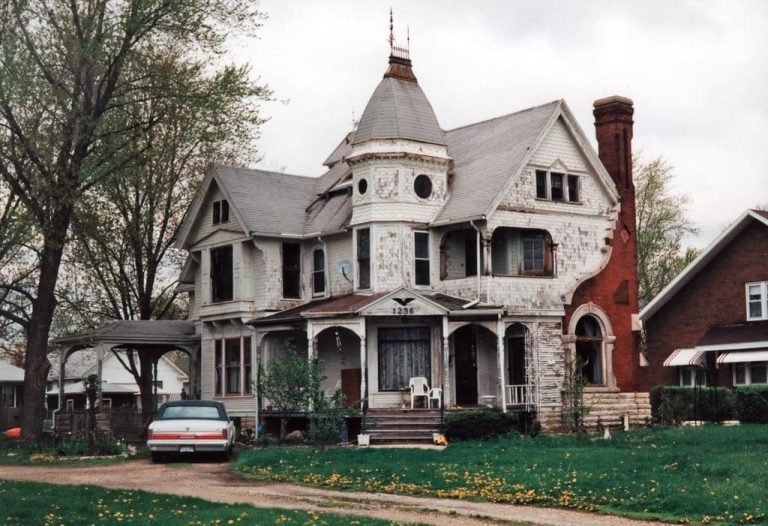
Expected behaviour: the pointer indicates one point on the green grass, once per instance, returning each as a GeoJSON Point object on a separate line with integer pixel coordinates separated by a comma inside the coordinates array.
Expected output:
{"type": "Point", "coordinates": [30, 503]}
{"type": "Point", "coordinates": [716, 475]}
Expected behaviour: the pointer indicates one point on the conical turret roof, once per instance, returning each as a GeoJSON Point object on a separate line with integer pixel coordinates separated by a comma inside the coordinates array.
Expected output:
{"type": "Point", "coordinates": [399, 109]}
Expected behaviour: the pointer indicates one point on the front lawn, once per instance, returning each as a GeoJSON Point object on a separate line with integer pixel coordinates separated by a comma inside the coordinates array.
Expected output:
{"type": "Point", "coordinates": [716, 475]}
{"type": "Point", "coordinates": [27, 503]}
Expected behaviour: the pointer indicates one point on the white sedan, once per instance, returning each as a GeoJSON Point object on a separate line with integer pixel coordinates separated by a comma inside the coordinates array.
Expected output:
{"type": "Point", "coordinates": [188, 427]}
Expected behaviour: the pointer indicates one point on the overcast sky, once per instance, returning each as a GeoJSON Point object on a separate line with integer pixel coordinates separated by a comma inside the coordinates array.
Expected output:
{"type": "Point", "coordinates": [697, 71]}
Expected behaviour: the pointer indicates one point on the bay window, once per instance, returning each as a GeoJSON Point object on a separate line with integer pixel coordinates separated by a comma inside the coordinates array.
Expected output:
{"type": "Point", "coordinates": [233, 372]}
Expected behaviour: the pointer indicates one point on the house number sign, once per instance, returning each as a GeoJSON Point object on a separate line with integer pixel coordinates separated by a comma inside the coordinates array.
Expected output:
{"type": "Point", "coordinates": [403, 309]}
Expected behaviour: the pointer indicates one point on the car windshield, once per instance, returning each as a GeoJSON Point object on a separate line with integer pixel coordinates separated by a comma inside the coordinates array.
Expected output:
{"type": "Point", "coordinates": [203, 412]}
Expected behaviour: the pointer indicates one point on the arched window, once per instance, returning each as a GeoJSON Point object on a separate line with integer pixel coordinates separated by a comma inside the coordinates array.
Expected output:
{"type": "Point", "coordinates": [589, 349]}
{"type": "Point", "coordinates": [318, 271]}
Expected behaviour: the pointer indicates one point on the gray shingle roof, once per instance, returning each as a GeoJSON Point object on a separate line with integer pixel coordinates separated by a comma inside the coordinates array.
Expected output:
{"type": "Point", "coordinates": [399, 109]}
{"type": "Point", "coordinates": [278, 203]}
{"type": "Point", "coordinates": [268, 202]}
{"type": "Point", "coordinates": [9, 373]}
{"type": "Point", "coordinates": [486, 154]}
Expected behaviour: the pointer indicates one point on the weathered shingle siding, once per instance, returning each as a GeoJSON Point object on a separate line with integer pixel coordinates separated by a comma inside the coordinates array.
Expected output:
{"type": "Point", "coordinates": [551, 356]}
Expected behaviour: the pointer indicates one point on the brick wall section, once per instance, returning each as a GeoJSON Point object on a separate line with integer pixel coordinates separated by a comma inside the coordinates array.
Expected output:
{"type": "Point", "coordinates": [715, 296]}
{"type": "Point", "coordinates": [613, 123]}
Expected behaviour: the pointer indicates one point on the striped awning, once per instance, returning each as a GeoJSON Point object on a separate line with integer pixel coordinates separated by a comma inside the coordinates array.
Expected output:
{"type": "Point", "coordinates": [683, 357]}
{"type": "Point", "coordinates": [759, 355]}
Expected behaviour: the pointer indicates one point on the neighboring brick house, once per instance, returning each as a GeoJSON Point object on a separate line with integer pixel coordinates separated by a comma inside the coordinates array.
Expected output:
{"type": "Point", "coordinates": [483, 258]}
{"type": "Point", "coordinates": [711, 322]}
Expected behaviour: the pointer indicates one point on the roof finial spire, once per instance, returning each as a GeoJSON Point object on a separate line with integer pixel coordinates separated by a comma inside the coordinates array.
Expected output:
{"type": "Point", "coordinates": [391, 32]}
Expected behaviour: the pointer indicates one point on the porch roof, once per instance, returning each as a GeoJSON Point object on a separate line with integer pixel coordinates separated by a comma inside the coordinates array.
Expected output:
{"type": "Point", "coordinates": [136, 333]}
{"type": "Point", "coordinates": [351, 305]}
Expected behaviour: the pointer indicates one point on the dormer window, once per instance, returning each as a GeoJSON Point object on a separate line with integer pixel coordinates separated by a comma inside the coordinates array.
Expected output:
{"type": "Point", "coordinates": [557, 186]}
{"type": "Point", "coordinates": [757, 301]}
{"type": "Point", "coordinates": [220, 212]}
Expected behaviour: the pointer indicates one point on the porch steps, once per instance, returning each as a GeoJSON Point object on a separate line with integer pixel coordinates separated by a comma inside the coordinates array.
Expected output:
{"type": "Point", "coordinates": [608, 407]}
{"type": "Point", "coordinates": [390, 426]}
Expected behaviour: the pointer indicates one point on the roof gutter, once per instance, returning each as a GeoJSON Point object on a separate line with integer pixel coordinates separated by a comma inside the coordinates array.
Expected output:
{"type": "Point", "coordinates": [277, 235]}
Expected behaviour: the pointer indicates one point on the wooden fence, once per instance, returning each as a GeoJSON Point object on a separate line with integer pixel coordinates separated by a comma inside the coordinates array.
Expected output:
{"type": "Point", "coordinates": [121, 422]}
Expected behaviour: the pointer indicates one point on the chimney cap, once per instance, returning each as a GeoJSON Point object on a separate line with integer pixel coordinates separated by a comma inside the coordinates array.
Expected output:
{"type": "Point", "coordinates": [612, 100]}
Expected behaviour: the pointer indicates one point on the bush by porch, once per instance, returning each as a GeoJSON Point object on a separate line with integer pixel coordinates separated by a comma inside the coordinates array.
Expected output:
{"type": "Point", "coordinates": [702, 475]}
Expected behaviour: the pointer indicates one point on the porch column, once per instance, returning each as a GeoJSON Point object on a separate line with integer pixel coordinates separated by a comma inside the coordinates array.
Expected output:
{"type": "Point", "coordinates": [310, 341]}
{"type": "Point", "coordinates": [446, 363]}
{"type": "Point", "coordinates": [363, 364]}
{"type": "Point", "coordinates": [99, 361]}
{"type": "Point", "coordinates": [257, 345]}
{"type": "Point", "coordinates": [500, 354]}
{"type": "Point", "coordinates": [62, 360]}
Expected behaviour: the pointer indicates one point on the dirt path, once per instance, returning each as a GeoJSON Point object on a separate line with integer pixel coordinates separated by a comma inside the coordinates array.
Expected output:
{"type": "Point", "coordinates": [214, 482]}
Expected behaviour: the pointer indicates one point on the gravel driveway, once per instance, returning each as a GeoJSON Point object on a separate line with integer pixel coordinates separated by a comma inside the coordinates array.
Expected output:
{"type": "Point", "coordinates": [213, 482]}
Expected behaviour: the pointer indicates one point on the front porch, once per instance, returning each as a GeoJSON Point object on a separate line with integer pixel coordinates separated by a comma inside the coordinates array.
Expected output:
{"type": "Point", "coordinates": [371, 346]}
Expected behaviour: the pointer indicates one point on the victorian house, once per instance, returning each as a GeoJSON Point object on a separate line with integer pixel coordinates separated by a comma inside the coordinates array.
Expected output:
{"type": "Point", "coordinates": [485, 258]}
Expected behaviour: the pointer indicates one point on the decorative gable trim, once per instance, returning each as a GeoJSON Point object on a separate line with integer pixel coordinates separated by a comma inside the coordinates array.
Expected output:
{"type": "Point", "coordinates": [403, 302]}
{"type": "Point", "coordinates": [693, 268]}
{"type": "Point", "coordinates": [185, 231]}
{"type": "Point", "coordinates": [593, 161]}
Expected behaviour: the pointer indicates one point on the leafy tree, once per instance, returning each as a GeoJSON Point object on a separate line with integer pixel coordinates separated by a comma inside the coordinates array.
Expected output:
{"type": "Point", "coordinates": [288, 382]}
{"type": "Point", "coordinates": [68, 71]}
{"type": "Point", "coordinates": [122, 260]}
{"type": "Point", "coordinates": [661, 226]}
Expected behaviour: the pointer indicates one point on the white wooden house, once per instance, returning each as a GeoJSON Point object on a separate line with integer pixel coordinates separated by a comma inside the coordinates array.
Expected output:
{"type": "Point", "coordinates": [475, 257]}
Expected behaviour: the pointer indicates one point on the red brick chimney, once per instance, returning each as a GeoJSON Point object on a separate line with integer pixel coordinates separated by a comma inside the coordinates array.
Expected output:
{"type": "Point", "coordinates": [614, 289]}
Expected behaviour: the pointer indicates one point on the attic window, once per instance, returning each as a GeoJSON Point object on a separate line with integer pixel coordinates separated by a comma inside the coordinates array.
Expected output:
{"type": "Point", "coordinates": [557, 186]}
{"type": "Point", "coordinates": [220, 212]}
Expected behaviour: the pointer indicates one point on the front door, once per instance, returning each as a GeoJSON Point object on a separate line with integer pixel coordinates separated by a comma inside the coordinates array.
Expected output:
{"type": "Point", "coordinates": [465, 344]}
{"type": "Point", "coordinates": [350, 385]}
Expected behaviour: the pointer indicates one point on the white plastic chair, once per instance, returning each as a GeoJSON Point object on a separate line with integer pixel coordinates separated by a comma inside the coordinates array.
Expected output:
{"type": "Point", "coordinates": [419, 388]}
{"type": "Point", "coordinates": [435, 395]}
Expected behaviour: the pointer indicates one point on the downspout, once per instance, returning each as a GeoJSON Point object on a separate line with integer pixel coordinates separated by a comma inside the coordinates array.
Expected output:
{"type": "Point", "coordinates": [477, 250]}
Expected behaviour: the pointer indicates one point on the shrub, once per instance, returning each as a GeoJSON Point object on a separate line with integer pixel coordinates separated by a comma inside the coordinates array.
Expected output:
{"type": "Point", "coordinates": [72, 446]}
{"type": "Point", "coordinates": [752, 404]}
{"type": "Point", "coordinates": [481, 424]}
{"type": "Point", "coordinates": [81, 445]}
{"type": "Point", "coordinates": [671, 405]}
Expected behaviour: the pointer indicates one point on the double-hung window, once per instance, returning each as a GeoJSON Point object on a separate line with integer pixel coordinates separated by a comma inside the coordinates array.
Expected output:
{"type": "Point", "coordinates": [318, 272]}
{"type": "Point", "coordinates": [222, 284]}
{"type": "Point", "coordinates": [757, 301]}
{"type": "Point", "coordinates": [557, 186]}
{"type": "Point", "coordinates": [421, 258]}
{"type": "Point", "coordinates": [364, 258]}
{"type": "Point", "coordinates": [291, 270]}
{"type": "Point", "coordinates": [233, 373]}
{"type": "Point", "coordinates": [750, 373]}
{"type": "Point", "coordinates": [220, 212]}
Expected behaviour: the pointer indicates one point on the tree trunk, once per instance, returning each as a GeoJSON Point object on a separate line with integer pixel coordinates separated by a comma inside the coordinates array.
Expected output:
{"type": "Point", "coordinates": [283, 428]}
{"type": "Point", "coordinates": [145, 390]}
{"type": "Point", "coordinates": [36, 365]}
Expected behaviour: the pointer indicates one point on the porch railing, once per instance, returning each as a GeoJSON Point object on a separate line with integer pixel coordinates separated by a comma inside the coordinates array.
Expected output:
{"type": "Point", "coordinates": [520, 395]}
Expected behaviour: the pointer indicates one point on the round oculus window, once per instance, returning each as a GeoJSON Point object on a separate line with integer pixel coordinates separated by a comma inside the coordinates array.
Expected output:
{"type": "Point", "coordinates": [362, 186]}
{"type": "Point", "coordinates": [423, 186]}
